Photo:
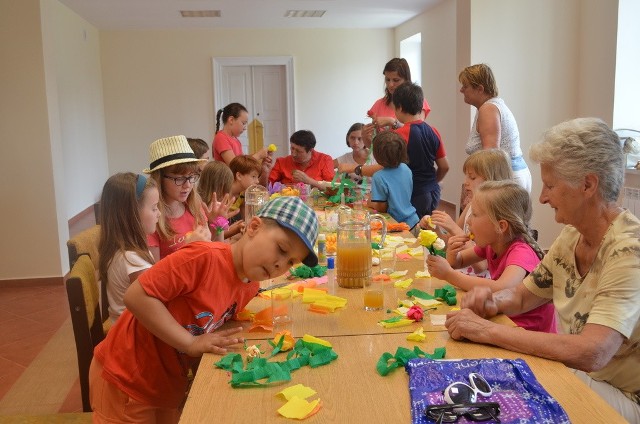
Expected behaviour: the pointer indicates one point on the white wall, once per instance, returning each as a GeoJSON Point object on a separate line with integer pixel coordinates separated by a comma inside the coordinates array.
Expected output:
{"type": "Point", "coordinates": [159, 83]}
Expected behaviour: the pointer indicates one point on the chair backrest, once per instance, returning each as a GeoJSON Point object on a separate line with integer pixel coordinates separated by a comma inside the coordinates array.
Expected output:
{"type": "Point", "coordinates": [82, 291]}
{"type": "Point", "coordinates": [85, 243]}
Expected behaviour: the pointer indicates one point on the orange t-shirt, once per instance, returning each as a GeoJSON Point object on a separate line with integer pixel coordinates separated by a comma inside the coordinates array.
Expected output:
{"type": "Point", "coordinates": [200, 287]}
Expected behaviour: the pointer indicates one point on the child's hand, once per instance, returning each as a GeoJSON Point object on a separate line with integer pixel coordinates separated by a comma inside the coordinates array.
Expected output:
{"type": "Point", "coordinates": [443, 220]}
{"type": "Point", "coordinates": [439, 267]}
{"type": "Point", "coordinates": [220, 208]}
{"type": "Point", "coordinates": [235, 228]}
{"type": "Point", "coordinates": [216, 342]}
{"type": "Point", "coordinates": [201, 233]}
{"type": "Point", "coordinates": [455, 245]}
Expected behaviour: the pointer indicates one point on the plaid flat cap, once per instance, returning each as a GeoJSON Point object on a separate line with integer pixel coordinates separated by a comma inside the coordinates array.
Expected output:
{"type": "Point", "coordinates": [292, 213]}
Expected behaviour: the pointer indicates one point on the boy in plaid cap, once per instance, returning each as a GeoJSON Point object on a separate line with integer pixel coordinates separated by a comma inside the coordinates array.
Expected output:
{"type": "Point", "coordinates": [139, 372]}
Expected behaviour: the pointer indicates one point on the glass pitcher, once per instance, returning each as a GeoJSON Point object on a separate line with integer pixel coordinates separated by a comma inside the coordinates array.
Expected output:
{"type": "Point", "coordinates": [353, 257]}
{"type": "Point", "coordinates": [254, 197]}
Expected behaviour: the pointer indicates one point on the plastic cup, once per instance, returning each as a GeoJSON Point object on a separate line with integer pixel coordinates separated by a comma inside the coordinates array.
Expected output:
{"type": "Point", "coordinates": [281, 305]}
{"type": "Point", "coordinates": [373, 295]}
{"type": "Point", "coordinates": [387, 259]}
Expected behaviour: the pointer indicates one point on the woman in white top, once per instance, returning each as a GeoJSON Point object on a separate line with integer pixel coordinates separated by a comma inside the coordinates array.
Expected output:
{"type": "Point", "coordinates": [494, 126]}
{"type": "Point", "coordinates": [359, 155]}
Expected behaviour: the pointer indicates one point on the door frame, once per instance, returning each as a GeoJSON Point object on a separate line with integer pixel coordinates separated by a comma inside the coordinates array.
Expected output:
{"type": "Point", "coordinates": [286, 61]}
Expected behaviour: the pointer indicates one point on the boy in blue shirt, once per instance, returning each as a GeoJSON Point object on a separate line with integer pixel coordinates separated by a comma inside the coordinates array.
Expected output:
{"type": "Point", "coordinates": [392, 186]}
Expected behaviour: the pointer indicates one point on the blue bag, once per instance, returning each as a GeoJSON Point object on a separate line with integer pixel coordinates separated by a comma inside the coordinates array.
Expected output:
{"type": "Point", "coordinates": [521, 397]}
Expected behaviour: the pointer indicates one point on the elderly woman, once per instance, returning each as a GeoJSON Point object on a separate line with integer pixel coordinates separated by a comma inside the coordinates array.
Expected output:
{"type": "Point", "coordinates": [494, 125]}
{"type": "Point", "coordinates": [304, 164]}
{"type": "Point", "coordinates": [591, 273]}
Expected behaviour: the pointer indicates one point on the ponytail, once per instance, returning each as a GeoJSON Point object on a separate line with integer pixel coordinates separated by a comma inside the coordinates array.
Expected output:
{"type": "Point", "coordinates": [218, 115]}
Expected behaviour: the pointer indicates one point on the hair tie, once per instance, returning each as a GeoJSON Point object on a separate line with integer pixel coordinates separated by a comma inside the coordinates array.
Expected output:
{"type": "Point", "coordinates": [141, 182]}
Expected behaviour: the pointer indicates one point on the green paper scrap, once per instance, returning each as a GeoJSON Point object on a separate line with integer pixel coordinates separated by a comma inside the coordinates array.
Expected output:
{"type": "Point", "coordinates": [419, 293]}
{"type": "Point", "coordinates": [304, 271]}
{"type": "Point", "coordinates": [251, 375]}
{"type": "Point", "coordinates": [345, 182]}
{"type": "Point", "coordinates": [276, 347]}
{"type": "Point", "coordinates": [447, 294]}
{"type": "Point", "coordinates": [389, 362]}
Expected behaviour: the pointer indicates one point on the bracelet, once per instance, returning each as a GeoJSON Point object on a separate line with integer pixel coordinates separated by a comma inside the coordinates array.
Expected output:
{"type": "Point", "coordinates": [358, 170]}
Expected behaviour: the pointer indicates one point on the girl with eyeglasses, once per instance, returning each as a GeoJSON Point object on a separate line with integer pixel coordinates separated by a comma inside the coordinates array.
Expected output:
{"type": "Point", "coordinates": [129, 212]}
{"type": "Point", "coordinates": [183, 219]}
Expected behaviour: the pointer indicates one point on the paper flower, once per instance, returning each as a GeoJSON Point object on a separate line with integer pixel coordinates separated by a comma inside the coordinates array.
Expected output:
{"type": "Point", "coordinates": [430, 222]}
{"type": "Point", "coordinates": [220, 224]}
{"type": "Point", "coordinates": [415, 313]}
{"type": "Point", "coordinates": [253, 352]}
{"type": "Point", "coordinates": [432, 242]}
{"type": "Point", "coordinates": [272, 148]}
{"type": "Point", "coordinates": [287, 343]}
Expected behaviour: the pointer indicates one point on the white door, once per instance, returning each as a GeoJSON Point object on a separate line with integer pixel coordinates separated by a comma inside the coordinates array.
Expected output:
{"type": "Point", "coordinates": [264, 89]}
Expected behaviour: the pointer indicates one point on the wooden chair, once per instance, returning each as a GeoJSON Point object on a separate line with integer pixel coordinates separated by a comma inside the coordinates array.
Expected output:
{"type": "Point", "coordinates": [88, 330]}
{"type": "Point", "coordinates": [86, 243]}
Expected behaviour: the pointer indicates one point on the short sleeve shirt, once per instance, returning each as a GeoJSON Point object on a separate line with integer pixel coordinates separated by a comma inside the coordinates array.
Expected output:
{"type": "Point", "coordinates": [608, 295]}
{"type": "Point", "coordinates": [122, 265]}
{"type": "Point", "coordinates": [394, 186]}
{"type": "Point", "coordinates": [223, 142]}
{"type": "Point", "coordinates": [320, 168]}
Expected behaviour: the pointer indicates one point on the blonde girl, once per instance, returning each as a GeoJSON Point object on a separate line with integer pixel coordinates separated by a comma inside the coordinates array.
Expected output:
{"type": "Point", "coordinates": [501, 212]}
{"type": "Point", "coordinates": [129, 212]}
{"type": "Point", "coordinates": [215, 183]}
{"type": "Point", "coordinates": [174, 168]}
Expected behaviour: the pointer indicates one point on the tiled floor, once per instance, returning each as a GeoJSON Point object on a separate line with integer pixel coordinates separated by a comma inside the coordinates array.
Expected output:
{"type": "Point", "coordinates": [37, 352]}
{"type": "Point", "coordinates": [38, 363]}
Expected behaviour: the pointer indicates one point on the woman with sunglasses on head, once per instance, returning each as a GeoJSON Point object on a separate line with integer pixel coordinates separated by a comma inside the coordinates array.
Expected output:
{"type": "Point", "coordinates": [591, 272]}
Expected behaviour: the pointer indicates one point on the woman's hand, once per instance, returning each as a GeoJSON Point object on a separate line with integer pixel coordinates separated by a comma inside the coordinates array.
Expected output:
{"type": "Point", "coordinates": [439, 267]}
{"type": "Point", "coordinates": [384, 121]}
{"type": "Point", "coordinates": [216, 342]}
{"type": "Point", "coordinates": [480, 300]}
{"type": "Point", "coordinates": [346, 168]}
{"type": "Point", "coordinates": [367, 134]}
{"type": "Point", "coordinates": [464, 324]}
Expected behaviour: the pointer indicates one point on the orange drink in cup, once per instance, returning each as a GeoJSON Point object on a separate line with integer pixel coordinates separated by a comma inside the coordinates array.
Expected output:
{"type": "Point", "coordinates": [373, 298]}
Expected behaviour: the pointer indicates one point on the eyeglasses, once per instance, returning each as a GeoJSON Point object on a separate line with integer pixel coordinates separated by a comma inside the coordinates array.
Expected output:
{"type": "Point", "coordinates": [181, 180]}
{"type": "Point", "coordinates": [449, 413]}
{"type": "Point", "coordinates": [460, 392]}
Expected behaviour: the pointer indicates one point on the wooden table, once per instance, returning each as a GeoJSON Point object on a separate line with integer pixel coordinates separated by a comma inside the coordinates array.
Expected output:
{"type": "Point", "coordinates": [352, 391]}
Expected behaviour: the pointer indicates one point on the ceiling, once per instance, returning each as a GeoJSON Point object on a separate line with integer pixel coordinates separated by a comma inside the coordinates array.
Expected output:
{"type": "Point", "coordinates": [166, 14]}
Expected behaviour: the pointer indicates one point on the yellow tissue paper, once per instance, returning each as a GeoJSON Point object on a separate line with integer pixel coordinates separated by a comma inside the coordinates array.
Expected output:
{"type": "Point", "coordinates": [398, 274]}
{"type": "Point", "coordinates": [401, 248]}
{"type": "Point", "coordinates": [330, 303]}
{"type": "Point", "coordinates": [399, 323]}
{"type": "Point", "coordinates": [423, 274]}
{"type": "Point", "coordinates": [403, 284]}
{"type": "Point", "coordinates": [300, 391]}
{"type": "Point", "coordinates": [311, 339]}
{"type": "Point", "coordinates": [417, 336]}
{"type": "Point", "coordinates": [428, 303]}
{"type": "Point", "coordinates": [312, 295]}
{"type": "Point", "coordinates": [416, 251]}
{"type": "Point", "coordinates": [297, 408]}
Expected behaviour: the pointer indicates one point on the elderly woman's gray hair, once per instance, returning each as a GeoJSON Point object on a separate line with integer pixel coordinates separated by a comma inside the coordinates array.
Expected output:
{"type": "Point", "coordinates": [584, 146]}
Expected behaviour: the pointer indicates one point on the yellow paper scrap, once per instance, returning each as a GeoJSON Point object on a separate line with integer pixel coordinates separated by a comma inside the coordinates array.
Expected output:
{"type": "Point", "coordinates": [423, 274]}
{"type": "Point", "coordinates": [398, 274]}
{"type": "Point", "coordinates": [312, 295]}
{"type": "Point", "coordinates": [410, 240]}
{"type": "Point", "coordinates": [417, 336]}
{"type": "Point", "coordinates": [401, 310]}
{"type": "Point", "coordinates": [399, 323]}
{"type": "Point", "coordinates": [311, 339]}
{"type": "Point", "coordinates": [401, 248]}
{"type": "Point", "coordinates": [407, 303]}
{"type": "Point", "coordinates": [438, 319]}
{"type": "Point", "coordinates": [330, 304]}
{"type": "Point", "coordinates": [297, 408]}
{"type": "Point", "coordinates": [428, 303]}
{"type": "Point", "coordinates": [300, 391]}
{"type": "Point", "coordinates": [416, 251]}
{"type": "Point", "coordinates": [403, 284]}
{"type": "Point", "coordinates": [455, 308]}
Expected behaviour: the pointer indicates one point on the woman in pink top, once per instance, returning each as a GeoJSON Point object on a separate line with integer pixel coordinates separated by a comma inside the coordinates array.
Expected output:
{"type": "Point", "coordinates": [499, 222]}
{"type": "Point", "coordinates": [226, 144]}
{"type": "Point", "coordinates": [383, 113]}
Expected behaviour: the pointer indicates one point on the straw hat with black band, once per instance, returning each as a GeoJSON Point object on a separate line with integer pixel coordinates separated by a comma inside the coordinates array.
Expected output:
{"type": "Point", "coordinates": [170, 151]}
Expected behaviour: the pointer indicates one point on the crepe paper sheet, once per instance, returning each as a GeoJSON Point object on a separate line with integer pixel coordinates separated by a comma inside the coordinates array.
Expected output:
{"type": "Point", "coordinates": [428, 303]}
{"type": "Point", "coordinates": [261, 327]}
{"type": "Point", "coordinates": [299, 409]}
{"type": "Point", "coordinates": [282, 342]}
{"type": "Point", "coordinates": [244, 315]}
{"type": "Point", "coordinates": [423, 274]}
{"type": "Point", "coordinates": [417, 336]}
{"type": "Point", "coordinates": [394, 322]}
{"type": "Point", "coordinates": [394, 240]}
{"type": "Point", "coordinates": [389, 362]}
{"type": "Point", "coordinates": [300, 391]}
{"type": "Point", "coordinates": [416, 251]}
{"type": "Point", "coordinates": [304, 271]}
{"type": "Point", "coordinates": [381, 277]}
{"type": "Point", "coordinates": [410, 240]}
{"type": "Point", "coordinates": [446, 293]}
{"type": "Point", "coordinates": [261, 372]}
{"type": "Point", "coordinates": [455, 308]}
{"type": "Point", "coordinates": [403, 284]}
{"type": "Point", "coordinates": [329, 303]}
{"type": "Point", "coordinates": [398, 274]}
{"type": "Point", "coordinates": [403, 256]}
{"type": "Point", "coordinates": [437, 319]}
{"type": "Point", "coordinates": [313, 295]}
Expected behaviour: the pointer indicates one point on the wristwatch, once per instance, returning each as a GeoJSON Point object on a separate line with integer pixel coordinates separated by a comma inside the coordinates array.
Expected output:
{"type": "Point", "coordinates": [358, 170]}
